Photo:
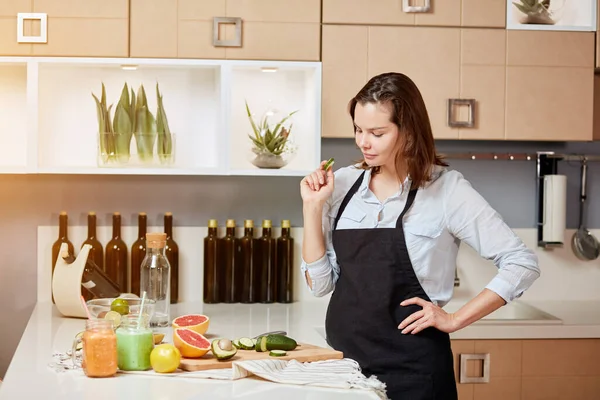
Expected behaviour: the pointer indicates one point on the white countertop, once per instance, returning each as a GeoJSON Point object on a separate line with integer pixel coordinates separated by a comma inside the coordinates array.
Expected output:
{"type": "Point", "coordinates": [29, 376]}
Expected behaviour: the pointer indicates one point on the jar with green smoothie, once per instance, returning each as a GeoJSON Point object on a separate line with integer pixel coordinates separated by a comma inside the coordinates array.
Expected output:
{"type": "Point", "coordinates": [134, 343]}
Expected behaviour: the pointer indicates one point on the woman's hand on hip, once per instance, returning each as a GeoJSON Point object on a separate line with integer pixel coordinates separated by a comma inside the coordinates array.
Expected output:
{"type": "Point", "coordinates": [430, 316]}
{"type": "Point", "coordinates": [318, 186]}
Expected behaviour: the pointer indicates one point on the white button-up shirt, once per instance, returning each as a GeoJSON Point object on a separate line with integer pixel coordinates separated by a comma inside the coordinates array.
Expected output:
{"type": "Point", "coordinates": [446, 211]}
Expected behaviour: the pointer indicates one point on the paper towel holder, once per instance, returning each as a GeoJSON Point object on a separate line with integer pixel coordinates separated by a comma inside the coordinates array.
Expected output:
{"type": "Point", "coordinates": [547, 164]}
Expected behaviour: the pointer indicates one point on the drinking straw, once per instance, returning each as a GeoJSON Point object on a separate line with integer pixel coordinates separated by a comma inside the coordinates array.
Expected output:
{"type": "Point", "coordinates": [86, 308]}
{"type": "Point", "coordinates": [141, 309]}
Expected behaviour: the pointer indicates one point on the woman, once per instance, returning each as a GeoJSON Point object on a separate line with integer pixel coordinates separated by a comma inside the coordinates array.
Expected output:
{"type": "Point", "coordinates": [385, 238]}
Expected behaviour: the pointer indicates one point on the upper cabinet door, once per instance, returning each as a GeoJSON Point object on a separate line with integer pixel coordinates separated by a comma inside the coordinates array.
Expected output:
{"type": "Point", "coordinates": [430, 57]}
{"type": "Point", "coordinates": [549, 85]}
{"type": "Point", "coordinates": [90, 28]}
{"type": "Point", "coordinates": [244, 29]}
{"type": "Point", "coordinates": [344, 74]}
{"type": "Point", "coordinates": [9, 45]}
{"type": "Point", "coordinates": [478, 13]}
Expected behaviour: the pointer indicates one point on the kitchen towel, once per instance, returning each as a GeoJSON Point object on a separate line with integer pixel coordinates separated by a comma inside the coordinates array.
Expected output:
{"type": "Point", "coordinates": [339, 374]}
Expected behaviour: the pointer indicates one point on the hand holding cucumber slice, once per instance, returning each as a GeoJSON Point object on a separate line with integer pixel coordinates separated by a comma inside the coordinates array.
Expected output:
{"type": "Point", "coordinates": [328, 164]}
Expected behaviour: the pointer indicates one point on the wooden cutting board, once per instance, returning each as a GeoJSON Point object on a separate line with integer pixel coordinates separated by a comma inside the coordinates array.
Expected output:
{"type": "Point", "coordinates": [304, 352]}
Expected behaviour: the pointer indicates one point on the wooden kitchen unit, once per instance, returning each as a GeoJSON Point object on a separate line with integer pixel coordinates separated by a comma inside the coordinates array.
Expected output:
{"type": "Point", "coordinates": [257, 30]}
{"type": "Point", "coordinates": [529, 369]}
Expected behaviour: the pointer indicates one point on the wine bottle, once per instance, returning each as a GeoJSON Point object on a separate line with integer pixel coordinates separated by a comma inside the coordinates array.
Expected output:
{"type": "Point", "coordinates": [138, 252]}
{"type": "Point", "coordinates": [96, 254]}
{"type": "Point", "coordinates": [247, 265]}
{"type": "Point", "coordinates": [285, 264]}
{"type": "Point", "coordinates": [115, 261]}
{"type": "Point", "coordinates": [63, 222]}
{"type": "Point", "coordinates": [211, 271]}
{"type": "Point", "coordinates": [227, 263]}
{"type": "Point", "coordinates": [267, 257]}
{"type": "Point", "coordinates": [172, 252]}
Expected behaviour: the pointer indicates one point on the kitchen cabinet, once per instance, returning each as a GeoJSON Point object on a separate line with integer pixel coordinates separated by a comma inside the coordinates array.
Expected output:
{"type": "Point", "coordinates": [549, 85]}
{"type": "Point", "coordinates": [457, 13]}
{"type": "Point", "coordinates": [430, 57]}
{"type": "Point", "coordinates": [344, 73]}
{"type": "Point", "coordinates": [9, 46]}
{"type": "Point", "coordinates": [91, 28]}
{"type": "Point", "coordinates": [252, 30]}
{"type": "Point", "coordinates": [532, 369]}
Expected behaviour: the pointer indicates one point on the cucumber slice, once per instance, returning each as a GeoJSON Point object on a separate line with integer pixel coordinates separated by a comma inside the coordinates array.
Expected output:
{"type": "Point", "coordinates": [236, 343]}
{"type": "Point", "coordinates": [328, 164]}
{"type": "Point", "coordinates": [263, 343]}
{"type": "Point", "coordinates": [254, 341]}
{"type": "Point", "coordinates": [277, 353]}
{"type": "Point", "coordinates": [257, 344]}
{"type": "Point", "coordinates": [246, 343]}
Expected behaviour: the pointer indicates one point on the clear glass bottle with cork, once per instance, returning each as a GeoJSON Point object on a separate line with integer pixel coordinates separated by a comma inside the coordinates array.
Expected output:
{"type": "Point", "coordinates": [156, 278]}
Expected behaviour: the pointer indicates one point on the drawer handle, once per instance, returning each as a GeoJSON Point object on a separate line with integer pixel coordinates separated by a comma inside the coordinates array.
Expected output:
{"type": "Point", "coordinates": [485, 378]}
{"type": "Point", "coordinates": [42, 17]}
{"type": "Point", "coordinates": [470, 123]}
{"type": "Point", "coordinates": [237, 41]}
{"type": "Point", "coordinates": [408, 8]}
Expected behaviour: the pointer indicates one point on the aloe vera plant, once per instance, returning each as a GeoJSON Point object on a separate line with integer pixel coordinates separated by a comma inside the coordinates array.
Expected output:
{"type": "Point", "coordinates": [165, 142]}
{"type": "Point", "coordinates": [107, 144]}
{"type": "Point", "coordinates": [267, 140]}
{"type": "Point", "coordinates": [123, 124]}
{"type": "Point", "coordinates": [145, 127]}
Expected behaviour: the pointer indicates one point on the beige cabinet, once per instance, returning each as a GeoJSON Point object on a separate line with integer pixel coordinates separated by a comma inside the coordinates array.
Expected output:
{"type": "Point", "coordinates": [9, 46]}
{"type": "Point", "coordinates": [91, 28]}
{"type": "Point", "coordinates": [549, 85]}
{"type": "Point", "coordinates": [477, 13]}
{"type": "Point", "coordinates": [259, 29]}
{"type": "Point", "coordinates": [344, 73]}
{"type": "Point", "coordinates": [536, 369]}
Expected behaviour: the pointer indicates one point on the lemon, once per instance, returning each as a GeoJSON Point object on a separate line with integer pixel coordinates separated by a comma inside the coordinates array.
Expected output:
{"type": "Point", "coordinates": [115, 317]}
{"type": "Point", "coordinates": [158, 337]}
{"type": "Point", "coordinates": [120, 305]}
{"type": "Point", "coordinates": [165, 358]}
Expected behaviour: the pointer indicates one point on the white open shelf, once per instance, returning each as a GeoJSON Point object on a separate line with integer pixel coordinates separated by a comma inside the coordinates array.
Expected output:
{"type": "Point", "coordinates": [49, 120]}
{"type": "Point", "coordinates": [13, 117]}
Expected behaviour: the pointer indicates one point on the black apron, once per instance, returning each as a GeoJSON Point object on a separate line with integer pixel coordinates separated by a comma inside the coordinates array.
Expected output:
{"type": "Point", "coordinates": [364, 312]}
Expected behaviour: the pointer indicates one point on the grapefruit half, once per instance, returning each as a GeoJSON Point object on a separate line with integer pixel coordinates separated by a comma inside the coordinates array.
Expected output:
{"type": "Point", "coordinates": [190, 343]}
{"type": "Point", "coordinates": [196, 322]}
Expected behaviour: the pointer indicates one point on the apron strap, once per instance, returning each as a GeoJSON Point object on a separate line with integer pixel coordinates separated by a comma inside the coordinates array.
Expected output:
{"type": "Point", "coordinates": [346, 200]}
{"type": "Point", "coordinates": [409, 201]}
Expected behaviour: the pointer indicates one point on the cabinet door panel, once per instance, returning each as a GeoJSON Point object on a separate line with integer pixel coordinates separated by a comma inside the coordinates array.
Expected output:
{"type": "Point", "coordinates": [195, 40]}
{"type": "Point", "coordinates": [275, 10]}
{"type": "Point", "coordinates": [83, 9]}
{"type": "Point", "coordinates": [8, 38]}
{"type": "Point", "coordinates": [387, 12]}
{"type": "Point", "coordinates": [484, 13]}
{"type": "Point", "coordinates": [442, 13]}
{"type": "Point", "coordinates": [344, 74]}
{"type": "Point", "coordinates": [430, 57]}
{"type": "Point", "coordinates": [549, 103]}
{"type": "Point", "coordinates": [153, 28]}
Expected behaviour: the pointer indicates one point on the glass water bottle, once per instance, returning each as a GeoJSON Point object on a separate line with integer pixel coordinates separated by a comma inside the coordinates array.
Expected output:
{"type": "Point", "coordinates": [156, 278]}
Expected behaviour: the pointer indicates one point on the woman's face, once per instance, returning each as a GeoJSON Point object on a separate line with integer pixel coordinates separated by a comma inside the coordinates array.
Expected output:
{"type": "Point", "coordinates": [375, 134]}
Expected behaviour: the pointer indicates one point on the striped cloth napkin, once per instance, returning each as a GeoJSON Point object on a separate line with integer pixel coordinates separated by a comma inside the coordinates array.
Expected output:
{"type": "Point", "coordinates": [340, 374]}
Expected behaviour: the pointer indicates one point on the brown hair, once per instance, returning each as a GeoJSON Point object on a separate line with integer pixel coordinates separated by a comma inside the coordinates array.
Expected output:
{"type": "Point", "coordinates": [409, 113]}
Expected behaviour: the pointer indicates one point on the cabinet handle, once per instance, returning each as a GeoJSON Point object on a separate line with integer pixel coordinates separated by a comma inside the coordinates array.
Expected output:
{"type": "Point", "coordinates": [485, 378]}
{"type": "Point", "coordinates": [470, 123]}
{"type": "Point", "coordinates": [237, 41]}
{"type": "Point", "coordinates": [406, 7]}
{"type": "Point", "coordinates": [42, 17]}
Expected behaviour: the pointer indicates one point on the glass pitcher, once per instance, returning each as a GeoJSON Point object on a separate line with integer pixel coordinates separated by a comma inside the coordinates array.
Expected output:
{"type": "Point", "coordinates": [99, 349]}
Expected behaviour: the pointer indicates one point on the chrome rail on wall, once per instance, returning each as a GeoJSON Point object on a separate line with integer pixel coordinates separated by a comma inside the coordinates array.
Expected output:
{"type": "Point", "coordinates": [546, 164]}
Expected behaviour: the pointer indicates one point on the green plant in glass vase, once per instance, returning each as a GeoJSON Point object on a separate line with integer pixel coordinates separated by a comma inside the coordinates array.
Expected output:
{"type": "Point", "coordinates": [124, 124]}
{"type": "Point", "coordinates": [272, 146]}
{"type": "Point", "coordinates": [536, 12]}
{"type": "Point", "coordinates": [165, 138]}
{"type": "Point", "coordinates": [105, 129]}
{"type": "Point", "coordinates": [145, 127]}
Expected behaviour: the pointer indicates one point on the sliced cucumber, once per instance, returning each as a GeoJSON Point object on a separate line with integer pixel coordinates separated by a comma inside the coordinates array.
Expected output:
{"type": "Point", "coordinates": [257, 344]}
{"type": "Point", "coordinates": [263, 344]}
{"type": "Point", "coordinates": [254, 341]}
{"type": "Point", "coordinates": [246, 343]}
{"type": "Point", "coordinates": [279, 342]}
{"type": "Point", "coordinates": [236, 343]}
{"type": "Point", "coordinates": [277, 353]}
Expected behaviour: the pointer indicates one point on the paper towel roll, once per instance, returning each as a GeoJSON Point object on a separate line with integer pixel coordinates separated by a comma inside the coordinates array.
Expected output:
{"type": "Point", "coordinates": [555, 209]}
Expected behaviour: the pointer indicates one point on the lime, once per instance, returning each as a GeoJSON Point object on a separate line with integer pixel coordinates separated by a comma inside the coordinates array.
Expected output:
{"type": "Point", "coordinates": [120, 305]}
{"type": "Point", "coordinates": [115, 317]}
{"type": "Point", "coordinates": [165, 358]}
